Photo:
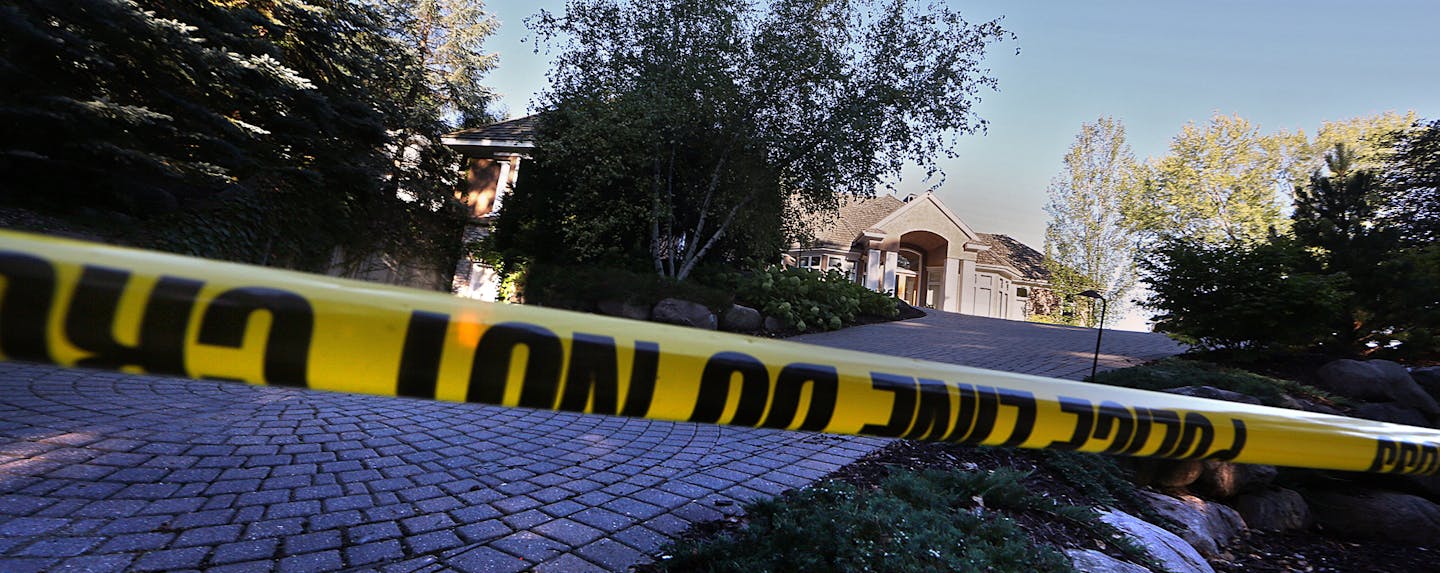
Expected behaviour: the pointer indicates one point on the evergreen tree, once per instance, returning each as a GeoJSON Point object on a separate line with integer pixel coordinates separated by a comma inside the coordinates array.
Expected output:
{"type": "Point", "coordinates": [253, 130]}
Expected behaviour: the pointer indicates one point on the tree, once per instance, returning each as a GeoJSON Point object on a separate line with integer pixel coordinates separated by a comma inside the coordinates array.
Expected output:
{"type": "Point", "coordinates": [1225, 181]}
{"type": "Point", "coordinates": [1087, 243]}
{"type": "Point", "coordinates": [1412, 185]}
{"type": "Point", "coordinates": [1370, 140]}
{"type": "Point", "coordinates": [1252, 295]}
{"type": "Point", "coordinates": [261, 131]}
{"type": "Point", "coordinates": [683, 131]}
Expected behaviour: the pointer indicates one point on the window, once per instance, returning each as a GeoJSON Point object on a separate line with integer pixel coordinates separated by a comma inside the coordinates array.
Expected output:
{"type": "Point", "coordinates": [811, 262]}
{"type": "Point", "coordinates": [1022, 292]}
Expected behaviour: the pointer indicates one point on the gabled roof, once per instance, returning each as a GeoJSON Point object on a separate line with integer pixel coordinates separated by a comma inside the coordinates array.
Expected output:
{"type": "Point", "coordinates": [1007, 252]}
{"type": "Point", "coordinates": [515, 134]}
{"type": "Point", "coordinates": [857, 215]}
{"type": "Point", "coordinates": [914, 201]}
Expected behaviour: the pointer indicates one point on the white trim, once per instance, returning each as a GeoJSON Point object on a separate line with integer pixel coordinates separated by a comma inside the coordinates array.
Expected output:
{"type": "Point", "coordinates": [930, 197]}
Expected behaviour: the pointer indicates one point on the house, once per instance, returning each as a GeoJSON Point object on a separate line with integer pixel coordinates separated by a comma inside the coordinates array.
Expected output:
{"type": "Point", "coordinates": [916, 247]}
{"type": "Point", "coordinates": [492, 162]}
{"type": "Point", "coordinates": [928, 256]}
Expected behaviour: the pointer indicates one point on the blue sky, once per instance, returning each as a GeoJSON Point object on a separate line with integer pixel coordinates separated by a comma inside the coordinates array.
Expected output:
{"type": "Point", "coordinates": [1154, 65]}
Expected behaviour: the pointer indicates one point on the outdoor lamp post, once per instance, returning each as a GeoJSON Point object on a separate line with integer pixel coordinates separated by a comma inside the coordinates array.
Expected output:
{"type": "Point", "coordinates": [1104, 305]}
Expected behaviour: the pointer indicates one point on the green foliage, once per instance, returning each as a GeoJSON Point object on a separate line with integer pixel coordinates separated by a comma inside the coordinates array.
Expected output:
{"type": "Point", "coordinates": [294, 117]}
{"type": "Point", "coordinates": [1223, 182]}
{"type": "Point", "coordinates": [685, 131]}
{"type": "Point", "coordinates": [1087, 242]}
{"type": "Point", "coordinates": [811, 300]}
{"type": "Point", "coordinates": [1176, 373]}
{"type": "Point", "coordinates": [1411, 183]}
{"type": "Point", "coordinates": [585, 287]}
{"type": "Point", "coordinates": [925, 521]}
{"type": "Point", "coordinates": [1240, 294]}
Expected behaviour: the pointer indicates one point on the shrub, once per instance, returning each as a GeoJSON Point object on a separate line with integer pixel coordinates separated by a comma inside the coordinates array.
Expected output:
{"type": "Point", "coordinates": [915, 521]}
{"type": "Point", "coordinates": [1241, 295]}
{"type": "Point", "coordinates": [584, 287]}
{"type": "Point", "coordinates": [1176, 373]}
{"type": "Point", "coordinates": [811, 300]}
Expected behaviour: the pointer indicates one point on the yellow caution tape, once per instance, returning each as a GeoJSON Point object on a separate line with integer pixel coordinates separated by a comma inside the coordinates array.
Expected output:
{"type": "Point", "coordinates": [80, 304]}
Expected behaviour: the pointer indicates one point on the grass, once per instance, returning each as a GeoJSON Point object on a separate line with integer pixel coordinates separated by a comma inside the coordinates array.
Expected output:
{"type": "Point", "coordinates": [929, 520]}
{"type": "Point", "coordinates": [1178, 372]}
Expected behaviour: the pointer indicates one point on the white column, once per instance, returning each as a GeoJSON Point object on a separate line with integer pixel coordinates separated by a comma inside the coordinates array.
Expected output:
{"type": "Point", "coordinates": [890, 257]}
{"type": "Point", "coordinates": [872, 270]}
{"type": "Point", "coordinates": [966, 298]}
{"type": "Point", "coordinates": [502, 183]}
{"type": "Point", "coordinates": [950, 286]}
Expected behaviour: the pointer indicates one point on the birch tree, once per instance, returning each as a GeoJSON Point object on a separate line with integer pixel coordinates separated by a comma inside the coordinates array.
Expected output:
{"type": "Point", "coordinates": [684, 131]}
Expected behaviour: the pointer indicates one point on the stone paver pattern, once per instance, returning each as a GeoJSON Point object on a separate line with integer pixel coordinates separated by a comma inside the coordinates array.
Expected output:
{"type": "Point", "coordinates": [103, 471]}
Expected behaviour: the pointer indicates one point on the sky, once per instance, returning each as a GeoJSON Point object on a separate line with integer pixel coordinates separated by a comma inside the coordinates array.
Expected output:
{"type": "Point", "coordinates": [1155, 66]}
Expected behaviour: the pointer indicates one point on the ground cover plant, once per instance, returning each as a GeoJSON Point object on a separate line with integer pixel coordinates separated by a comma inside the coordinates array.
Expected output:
{"type": "Point", "coordinates": [1179, 372]}
{"type": "Point", "coordinates": [923, 506]}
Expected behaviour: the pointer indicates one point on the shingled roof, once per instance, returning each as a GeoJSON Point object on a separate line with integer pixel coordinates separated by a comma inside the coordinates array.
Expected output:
{"type": "Point", "coordinates": [1006, 251]}
{"type": "Point", "coordinates": [855, 216]}
{"type": "Point", "coordinates": [517, 130]}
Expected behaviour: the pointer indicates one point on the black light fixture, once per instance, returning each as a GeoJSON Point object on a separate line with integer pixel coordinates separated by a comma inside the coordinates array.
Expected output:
{"type": "Point", "coordinates": [1104, 306]}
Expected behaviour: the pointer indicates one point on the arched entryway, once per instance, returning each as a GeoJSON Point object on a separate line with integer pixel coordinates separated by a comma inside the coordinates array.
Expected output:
{"type": "Point", "coordinates": [920, 268]}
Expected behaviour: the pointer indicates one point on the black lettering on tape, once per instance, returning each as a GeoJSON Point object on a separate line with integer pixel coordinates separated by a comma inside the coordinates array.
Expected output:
{"type": "Point", "coordinates": [594, 371]}
{"type": "Point", "coordinates": [902, 410]}
{"type": "Point", "coordinates": [987, 408]}
{"type": "Point", "coordinates": [1385, 453]}
{"type": "Point", "coordinates": [1171, 421]}
{"type": "Point", "coordinates": [1116, 415]}
{"type": "Point", "coordinates": [932, 418]}
{"type": "Point", "coordinates": [1196, 437]}
{"type": "Point", "coordinates": [715, 389]}
{"type": "Point", "coordinates": [287, 345]}
{"type": "Point", "coordinates": [965, 413]}
{"type": "Point", "coordinates": [1084, 422]}
{"type": "Point", "coordinates": [1236, 446]}
{"type": "Point", "coordinates": [1405, 457]}
{"type": "Point", "coordinates": [25, 307]}
{"type": "Point", "coordinates": [1025, 411]}
{"type": "Point", "coordinates": [160, 347]}
{"type": "Point", "coordinates": [420, 358]}
{"type": "Point", "coordinates": [490, 370]}
{"type": "Point", "coordinates": [1429, 459]}
{"type": "Point", "coordinates": [642, 379]}
{"type": "Point", "coordinates": [1143, 420]}
{"type": "Point", "coordinates": [824, 383]}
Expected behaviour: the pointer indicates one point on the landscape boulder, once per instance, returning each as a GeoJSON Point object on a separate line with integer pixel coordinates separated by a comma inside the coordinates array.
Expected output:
{"type": "Point", "coordinates": [684, 313]}
{"type": "Point", "coordinates": [1224, 480]}
{"type": "Point", "coordinates": [1174, 474]}
{"type": "Point", "coordinates": [740, 318]}
{"type": "Point", "coordinates": [1428, 379]}
{"type": "Point", "coordinates": [1389, 412]}
{"type": "Point", "coordinates": [1374, 514]}
{"type": "Point", "coordinates": [1376, 381]}
{"type": "Point", "coordinates": [773, 324]}
{"type": "Point", "coordinates": [1214, 393]}
{"type": "Point", "coordinates": [1209, 526]}
{"type": "Point", "coordinates": [624, 309]}
{"type": "Point", "coordinates": [1273, 509]}
{"type": "Point", "coordinates": [1169, 549]}
{"type": "Point", "coordinates": [1092, 561]}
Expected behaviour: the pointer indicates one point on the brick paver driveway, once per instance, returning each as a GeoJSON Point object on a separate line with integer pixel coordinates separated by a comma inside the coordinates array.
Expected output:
{"type": "Point", "coordinates": [104, 471]}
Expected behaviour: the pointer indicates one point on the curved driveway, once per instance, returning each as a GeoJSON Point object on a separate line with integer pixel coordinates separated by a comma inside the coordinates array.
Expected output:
{"type": "Point", "coordinates": [106, 471]}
